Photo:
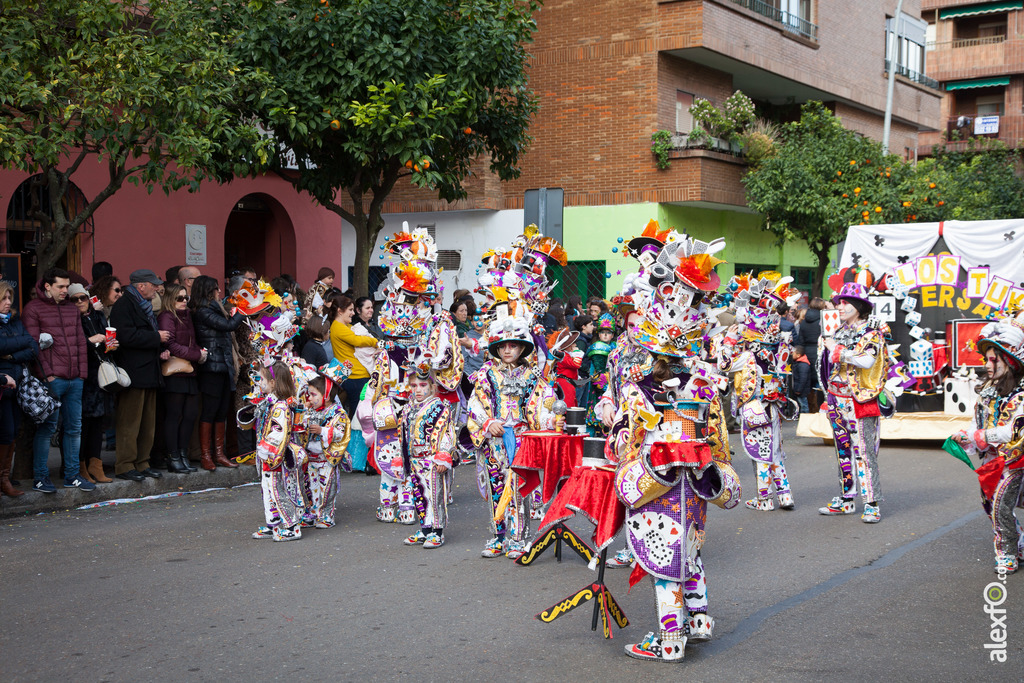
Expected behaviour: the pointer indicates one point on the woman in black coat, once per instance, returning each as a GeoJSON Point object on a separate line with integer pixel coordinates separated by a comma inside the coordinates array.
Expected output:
{"type": "Point", "coordinates": [17, 348]}
{"type": "Point", "coordinates": [96, 403]}
{"type": "Point", "coordinates": [214, 328]}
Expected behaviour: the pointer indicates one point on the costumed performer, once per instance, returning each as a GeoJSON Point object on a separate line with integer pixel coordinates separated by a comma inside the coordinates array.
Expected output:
{"type": "Point", "coordinates": [428, 434]}
{"type": "Point", "coordinates": [326, 441]}
{"type": "Point", "coordinates": [997, 436]}
{"type": "Point", "coordinates": [854, 366]}
{"type": "Point", "coordinates": [410, 318]}
{"type": "Point", "coordinates": [665, 472]}
{"type": "Point", "coordinates": [756, 353]}
{"type": "Point", "coordinates": [279, 464]}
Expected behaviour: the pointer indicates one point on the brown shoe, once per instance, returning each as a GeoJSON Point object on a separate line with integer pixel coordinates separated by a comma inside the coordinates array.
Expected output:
{"type": "Point", "coordinates": [205, 434]}
{"type": "Point", "coordinates": [218, 446]}
{"type": "Point", "coordinates": [83, 472]}
{"type": "Point", "coordinates": [6, 458]}
{"type": "Point", "coordinates": [96, 471]}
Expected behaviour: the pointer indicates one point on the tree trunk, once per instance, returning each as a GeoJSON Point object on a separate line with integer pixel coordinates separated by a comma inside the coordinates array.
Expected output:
{"type": "Point", "coordinates": [364, 245]}
{"type": "Point", "coordinates": [819, 273]}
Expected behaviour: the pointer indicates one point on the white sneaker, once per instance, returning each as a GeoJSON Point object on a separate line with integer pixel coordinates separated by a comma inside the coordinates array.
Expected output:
{"type": "Point", "coordinates": [701, 627]}
{"type": "Point", "coordinates": [838, 506]}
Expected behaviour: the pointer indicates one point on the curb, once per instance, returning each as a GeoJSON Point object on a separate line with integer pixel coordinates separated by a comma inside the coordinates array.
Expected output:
{"type": "Point", "coordinates": [34, 502]}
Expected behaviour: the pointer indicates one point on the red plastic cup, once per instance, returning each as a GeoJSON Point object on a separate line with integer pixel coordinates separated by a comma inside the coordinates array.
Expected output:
{"type": "Point", "coordinates": [111, 337]}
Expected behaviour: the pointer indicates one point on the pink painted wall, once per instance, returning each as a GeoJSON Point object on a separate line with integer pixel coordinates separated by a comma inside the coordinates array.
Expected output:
{"type": "Point", "coordinates": [135, 229]}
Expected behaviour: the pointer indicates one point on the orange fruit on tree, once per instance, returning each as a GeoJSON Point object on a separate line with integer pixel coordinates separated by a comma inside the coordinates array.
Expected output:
{"type": "Point", "coordinates": [931, 186]}
{"type": "Point", "coordinates": [839, 173]}
{"type": "Point", "coordinates": [467, 130]}
{"type": "Point", "coordinates": [941, 202]}
{"type": "Point", "coordinates": [878, 209]}
{"type": "Point", "coordinates": [335, 124]}
{"type": "Point", "coordinates": [426, 164]}
{"type": "Point", "coordinates": [416, 168]}
{"type": "Point", "coordinates": [856, 190]}
{"type": "Point", "coordinates": [408, 164]}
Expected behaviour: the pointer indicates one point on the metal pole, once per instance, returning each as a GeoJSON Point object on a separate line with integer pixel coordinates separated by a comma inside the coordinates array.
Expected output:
{"type": "Point", "coordinates": [893, 37]}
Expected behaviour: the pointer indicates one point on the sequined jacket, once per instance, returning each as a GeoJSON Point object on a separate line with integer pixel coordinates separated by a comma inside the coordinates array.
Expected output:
{"type": "Point", "coordinates": [992, 428]}
{"type": "Point", "coordinates": [511, 396]}
{"type": "Point", "coordinates": [331, 442]}
{"type": "Point", "coordinates": [428, 431]}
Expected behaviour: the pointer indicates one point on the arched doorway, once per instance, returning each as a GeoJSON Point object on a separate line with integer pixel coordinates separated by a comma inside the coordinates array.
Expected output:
{"type": "Point", "coordinates": [28, 212]}
{"type": "Point", "coordinates": [259, 235]}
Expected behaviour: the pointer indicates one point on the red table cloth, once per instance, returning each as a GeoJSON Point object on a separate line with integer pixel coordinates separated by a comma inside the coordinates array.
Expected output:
{"type": "Point", "coordinates": [590, 492]}
{"type": "Point", "coordinates": [552, 453]}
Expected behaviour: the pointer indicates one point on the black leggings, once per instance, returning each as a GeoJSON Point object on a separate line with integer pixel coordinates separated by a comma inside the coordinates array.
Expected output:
{"type": "Point", "coordinates": [180, 412]}
{"type": "Point", "coordinates": [217, 394]}
{"type": "Point", "coordinates": [10, 416]}
{"type": "Point", "coordinates": [92, 438]}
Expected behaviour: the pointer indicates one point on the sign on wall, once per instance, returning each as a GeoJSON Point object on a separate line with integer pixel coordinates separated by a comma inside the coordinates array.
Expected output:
{"type": "Point", "coordinates": [195, 245]}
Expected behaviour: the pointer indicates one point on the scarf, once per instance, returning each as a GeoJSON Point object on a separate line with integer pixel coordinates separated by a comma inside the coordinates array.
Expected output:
{"type": "Point", "coordinates": [145, 304]}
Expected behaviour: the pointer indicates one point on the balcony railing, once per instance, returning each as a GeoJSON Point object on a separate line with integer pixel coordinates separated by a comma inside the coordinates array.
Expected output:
{"type": "Point", "coordinates": [965, 42]}
{"type": "Point", "coordinates": [789, 21]}
{"type": "Point", "coordinates": [959, 131]}
{"type": "Point", "coordinates": [913, 75]}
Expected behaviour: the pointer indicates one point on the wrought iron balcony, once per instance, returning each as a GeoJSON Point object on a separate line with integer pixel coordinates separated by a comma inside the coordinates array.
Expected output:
{"type": "Point", "coordinates": [788, 20]}
{"type": "Point", "coordinates": [914, 76]}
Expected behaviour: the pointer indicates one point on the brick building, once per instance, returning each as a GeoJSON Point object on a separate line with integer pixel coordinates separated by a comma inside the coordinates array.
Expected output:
{"type": "Point", "coordinates": [609, 73]}
{"type": "Point", "coordinates": [976, 52]}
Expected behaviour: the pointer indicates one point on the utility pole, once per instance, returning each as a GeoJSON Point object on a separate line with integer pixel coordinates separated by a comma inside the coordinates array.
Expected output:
{"type": "Point", "coordinates": [893, 65]}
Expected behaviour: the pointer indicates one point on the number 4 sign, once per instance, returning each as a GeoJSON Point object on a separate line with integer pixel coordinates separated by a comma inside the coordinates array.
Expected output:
{"type": "Point", "coordinates": [885, 307]}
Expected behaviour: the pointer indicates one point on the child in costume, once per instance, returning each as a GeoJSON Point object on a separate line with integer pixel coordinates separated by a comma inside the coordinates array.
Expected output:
{"type": "Point", "coordinates": [997, 436]}
{"type": "Point", "coordinates": [854, 366]}
{"type": "Point", "coordinates": [597, 353]}
{"type": "Point", "coordinates": [278, 462]}
{"type": "Point", "coordinates": [327, 434]}
{"type": "Point", "coordinates": [428, 436]}
{"type": "Point", "coordinates": [510, 397]}
{"type": "Point", "coordinates": [756, 353]}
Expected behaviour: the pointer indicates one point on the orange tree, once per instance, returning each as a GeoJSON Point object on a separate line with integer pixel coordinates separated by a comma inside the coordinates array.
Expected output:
{"type": "Point", "coordinates": [378, 93]}
{"type": "Point", "coordinates": [977, 183]}
{"type": "Point", "coordinates": [821, 179]}
{"type": "Point", "coordinates": [142, 87]}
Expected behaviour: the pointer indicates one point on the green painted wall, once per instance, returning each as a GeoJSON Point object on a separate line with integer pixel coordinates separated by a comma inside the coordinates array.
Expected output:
{"type": "Point", "coordinates": [591, 232]}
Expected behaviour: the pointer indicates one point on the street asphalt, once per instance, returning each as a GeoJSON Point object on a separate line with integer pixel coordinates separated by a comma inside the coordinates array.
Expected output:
{"type": "Point", "coordinates": [175, 589]}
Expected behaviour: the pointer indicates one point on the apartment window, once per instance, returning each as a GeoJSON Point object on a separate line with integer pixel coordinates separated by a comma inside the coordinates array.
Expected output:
{"type": "Point", "coordinates": [684, 119]}
{"type": "Point", "coordinates": [987, 105]}
{"type": "Point", "coordinates": [909, 43]}
{"type": "Point", "coordinates": [794, 12]}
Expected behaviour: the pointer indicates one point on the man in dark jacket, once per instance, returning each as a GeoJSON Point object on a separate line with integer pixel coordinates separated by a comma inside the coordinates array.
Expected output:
{"type": "Point", "coordinates": [53, 321]}
{"type": "Point", "coordinates": [139, 355]}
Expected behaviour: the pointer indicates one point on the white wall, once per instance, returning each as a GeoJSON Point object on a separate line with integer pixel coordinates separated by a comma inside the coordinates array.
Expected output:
{"type": "Point", "coordinates": [470, 232]}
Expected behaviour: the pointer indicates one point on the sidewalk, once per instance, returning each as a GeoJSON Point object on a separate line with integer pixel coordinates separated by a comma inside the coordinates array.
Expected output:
{"type": "Point", "coordinates": [70, 498]}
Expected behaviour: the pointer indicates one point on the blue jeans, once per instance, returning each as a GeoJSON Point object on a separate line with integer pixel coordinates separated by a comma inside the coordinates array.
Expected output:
{"type": "Point", "coordinates": [69, 393]}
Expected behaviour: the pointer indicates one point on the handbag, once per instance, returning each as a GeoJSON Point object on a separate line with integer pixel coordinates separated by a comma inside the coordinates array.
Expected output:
{"type": "Point", "coordinates": [35, 399]}
{"type": "Point", "coordinates": [175, 366]}
{"type": "Point", "coordinates": [111, 378]}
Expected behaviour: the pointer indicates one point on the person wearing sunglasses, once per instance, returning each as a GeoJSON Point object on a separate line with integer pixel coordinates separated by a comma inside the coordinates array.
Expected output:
{"type": "Point", "coordinates": [108, 289]}
{"type": "Point", "coordinates": [181, 389]}
{"type": "Point", "coordinates": [96, 403]}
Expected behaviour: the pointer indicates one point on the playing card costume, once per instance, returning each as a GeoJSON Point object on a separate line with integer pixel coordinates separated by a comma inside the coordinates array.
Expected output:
{"type": "Point", "coordinates": [853, 375]}
{"type": "Point", "coordinates": [411, 319]}
{"type": "Point", "coordinates": [667, 469]}
{"type": "Point", "coordinates": [325, 453]}
{"type": "Point", "coordinates": [513, 396]}
{"type": "Point", "coordinates": [996, 436]}
{"type": "Point", "coordinates": [756, 353]}
{"type": "Point", "coordinates": [428, 437]}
